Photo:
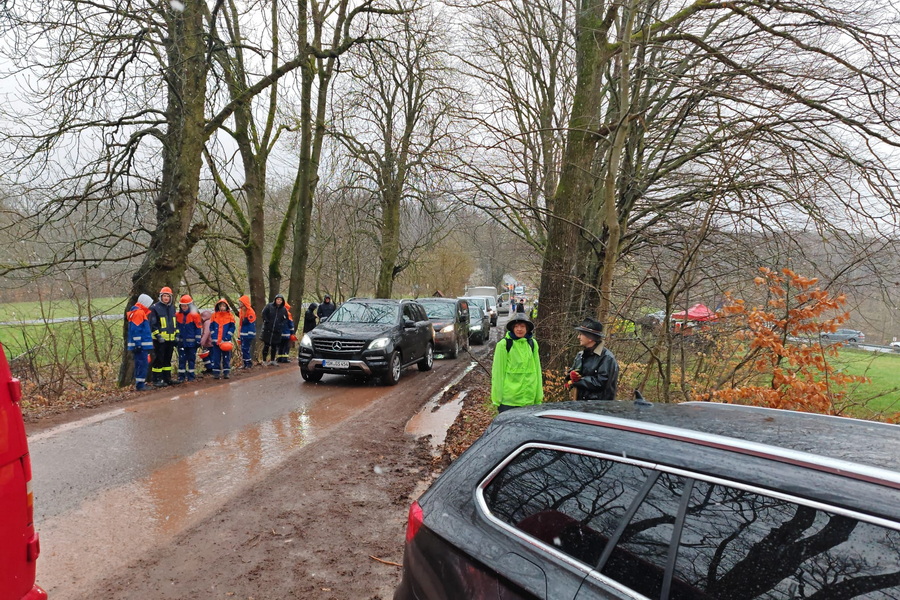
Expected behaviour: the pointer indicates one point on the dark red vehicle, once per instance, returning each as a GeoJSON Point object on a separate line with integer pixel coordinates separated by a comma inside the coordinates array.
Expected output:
{"type": "Point", "coordinates": [19, 543]}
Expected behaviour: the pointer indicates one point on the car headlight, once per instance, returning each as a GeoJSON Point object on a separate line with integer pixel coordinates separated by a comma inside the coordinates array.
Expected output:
{"type": "Point", "coordinates": [476, 327]}
{"type": "Point", "coordinates": [305, 341]}
{"type": "Point", "coordinates": [379, 343]}
{"type": "Point", "coordinates": [447, 329]}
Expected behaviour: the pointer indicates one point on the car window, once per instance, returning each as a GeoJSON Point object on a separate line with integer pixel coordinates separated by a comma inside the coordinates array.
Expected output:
{"type": "Point", "coordinates": [438, 310]}
{"type": "Point", "coordinates": [409, 312]}
{"type": "Point", "coordinates": [365, 312]}
{"type": "Point", "coordinates": [475, 313]}
{"type": "Point", "coordinates": [739, 544]}
{"type": "Point", "coordinates": [639, 558]}
{"type": "Point", "coordinates": [568, 500]}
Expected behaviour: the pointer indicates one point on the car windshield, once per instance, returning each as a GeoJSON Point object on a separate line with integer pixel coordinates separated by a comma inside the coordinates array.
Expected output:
{"type": "Point", "coordinates": [366, 312]}
{"type": "Point", "coordinates": [475, 313]}
{"type": "Point", "coordinates": [438, 310]}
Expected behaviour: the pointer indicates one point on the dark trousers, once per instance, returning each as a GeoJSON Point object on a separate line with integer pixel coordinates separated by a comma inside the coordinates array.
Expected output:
{"type": "Point", "coordinates": [267, 348]}
{"type": "Point", "coordinates": [246, 347]}
{"type": "Point", "coordinates": [162, 360]}
{"type": "Point", "coordinates": [221, 361]}
{"type": "Point", "coordinates": [187, 362]}
{"type": "Point", "coordinates": [505, 407]}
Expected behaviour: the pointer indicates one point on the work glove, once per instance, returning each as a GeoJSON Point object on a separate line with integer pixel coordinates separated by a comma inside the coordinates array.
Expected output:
{"type": "Point", "coordinates": [574, 376]}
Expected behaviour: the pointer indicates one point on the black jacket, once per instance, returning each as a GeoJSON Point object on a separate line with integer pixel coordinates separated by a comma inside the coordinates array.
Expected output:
{"type": "Point", "coordinates": [274, 318]}
{"type": "Point", "coordinates": [599, 375]}
{"type": "Point", "coordinates": [325, 310]}
{"type": "Point", "coordinates": [309, 319]}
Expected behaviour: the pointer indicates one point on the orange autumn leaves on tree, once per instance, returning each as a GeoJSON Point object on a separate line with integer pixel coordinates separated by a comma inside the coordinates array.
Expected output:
{"type": "Point", "coordinates": [790, 374]}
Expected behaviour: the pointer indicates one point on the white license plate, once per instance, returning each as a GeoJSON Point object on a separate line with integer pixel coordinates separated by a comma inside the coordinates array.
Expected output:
{"type": "Point", "coordinates": [336, 364]}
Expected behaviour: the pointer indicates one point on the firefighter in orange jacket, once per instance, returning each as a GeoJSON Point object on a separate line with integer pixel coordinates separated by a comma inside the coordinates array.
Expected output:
{"type": "Point", "coordinates": [247, 318]}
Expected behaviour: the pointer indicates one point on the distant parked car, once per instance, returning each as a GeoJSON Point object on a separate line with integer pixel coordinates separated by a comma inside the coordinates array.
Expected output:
{"type": "Point", "coordinates": [895, 346]}
{"type": "Point", "coordinates": [487, 304]}
{"type": "Point", "coordinates": [450, 319]}
{"type": "Point", "coordinates": [851, 336]}
{"type": "Point", "coordinates": [479, 325]}
{"type": "Point", "coordinates": [691, 501]}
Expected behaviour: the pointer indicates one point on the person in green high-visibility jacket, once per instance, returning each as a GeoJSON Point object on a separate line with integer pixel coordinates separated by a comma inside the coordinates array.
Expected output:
{"type": "Point", "coordinates": [516, 378]}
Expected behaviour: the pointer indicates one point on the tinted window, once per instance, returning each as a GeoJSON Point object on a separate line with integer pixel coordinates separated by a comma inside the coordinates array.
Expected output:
{"type": "Point", "coordinates": [365, 312]}
{"type": "Point", "coordinates": [409, 312]}
{"type": "Point", "coordinates": [570, 501]}
{"type": "Point", "coordinates": [639, 558]}
{"type": "Point", "coordinates": [740, 545]}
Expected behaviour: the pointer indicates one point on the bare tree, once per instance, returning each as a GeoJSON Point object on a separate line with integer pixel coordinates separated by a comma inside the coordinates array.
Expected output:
{"type": "Point", "coordinates": [397, 122]}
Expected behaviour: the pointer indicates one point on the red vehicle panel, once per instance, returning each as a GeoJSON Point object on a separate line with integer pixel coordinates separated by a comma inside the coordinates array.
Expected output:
{"type": "Point", "coordinates": [19, 543]}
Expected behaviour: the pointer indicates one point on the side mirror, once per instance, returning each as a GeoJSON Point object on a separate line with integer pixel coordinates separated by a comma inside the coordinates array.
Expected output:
{"type": "Point", "coordinates": [408, 323]}
{"type": "Point", "coordinates": [463, 318]}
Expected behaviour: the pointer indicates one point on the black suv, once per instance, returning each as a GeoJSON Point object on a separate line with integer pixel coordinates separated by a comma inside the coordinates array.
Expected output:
{"type": "Point", "coordinates": [369, 337]}
{"type": "Point", "coordinates": [694, 501]}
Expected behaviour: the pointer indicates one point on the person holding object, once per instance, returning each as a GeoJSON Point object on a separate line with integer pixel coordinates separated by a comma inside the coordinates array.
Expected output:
{"type": "Point", "coordinates": [595, 372]}
{"type": "Point", "coordinates": [221, 332]}
{"type": "Point", "coordinates": [516, 378]}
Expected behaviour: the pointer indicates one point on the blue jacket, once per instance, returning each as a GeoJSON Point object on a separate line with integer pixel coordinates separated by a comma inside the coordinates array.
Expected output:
{"type": "Point", "coordinates": [190, 327]}
{"type": "Point", "coordinates": [139, 335]}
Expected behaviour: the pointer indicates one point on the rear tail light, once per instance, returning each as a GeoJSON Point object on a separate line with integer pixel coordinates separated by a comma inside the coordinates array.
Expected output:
{"type": "Point", "coordinates": [414, 522]}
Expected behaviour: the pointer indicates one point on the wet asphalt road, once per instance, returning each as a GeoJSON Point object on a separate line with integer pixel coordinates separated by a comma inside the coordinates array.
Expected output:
{"type": "Point", "coordinates": [110, 486]}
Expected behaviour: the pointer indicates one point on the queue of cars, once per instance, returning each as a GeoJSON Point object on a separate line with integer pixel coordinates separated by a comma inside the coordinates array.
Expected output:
{"type": "Point", "coordinates": [378, 337]}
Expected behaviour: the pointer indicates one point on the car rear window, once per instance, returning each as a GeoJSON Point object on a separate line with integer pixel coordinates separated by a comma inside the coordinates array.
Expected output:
{"type": "Point", "coordinates": [671, 536]}
{"type": "Point", "coordinates": [438, 310]}
{"type": "Point", "coordinates": [739, 544]}
{"type": "Point", "coordinates": [570, 501]}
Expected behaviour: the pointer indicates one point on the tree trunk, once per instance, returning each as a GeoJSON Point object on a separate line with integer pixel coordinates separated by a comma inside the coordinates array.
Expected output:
{"type": "Point", "coordinates": [302, 222]}
{"type": "Point", "coordinates": [390, 241]}
{"type": "Point", "coordinates": [576, 185]}
{"type": "Point", "coordinates": [173, 238]}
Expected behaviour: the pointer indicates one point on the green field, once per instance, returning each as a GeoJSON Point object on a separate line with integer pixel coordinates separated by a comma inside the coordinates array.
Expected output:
{"type": "Point", "coordinates": [59, 309]}
{"type": "Point", "coordinates": [883, 368]}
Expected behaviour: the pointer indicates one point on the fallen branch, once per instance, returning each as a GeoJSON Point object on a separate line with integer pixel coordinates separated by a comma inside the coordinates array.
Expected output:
{"type": "Point", "coordinates": [387, 562]}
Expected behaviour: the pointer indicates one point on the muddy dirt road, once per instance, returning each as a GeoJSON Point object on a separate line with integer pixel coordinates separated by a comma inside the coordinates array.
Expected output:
{"type": "Point", "coordinates": [261, 487]}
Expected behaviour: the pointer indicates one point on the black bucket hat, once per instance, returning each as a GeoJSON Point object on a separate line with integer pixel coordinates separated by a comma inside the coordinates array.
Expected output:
{"type": "Point", "coordinates": [592, 328]}
{"type": "Point", "coordinates": [519, 318]}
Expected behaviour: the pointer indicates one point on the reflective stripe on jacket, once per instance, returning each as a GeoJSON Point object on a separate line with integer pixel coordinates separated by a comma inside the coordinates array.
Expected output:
{"type": "Point", "coordinates": [162, 321]}
{"type": "Point", "coordinates": [139, 336]}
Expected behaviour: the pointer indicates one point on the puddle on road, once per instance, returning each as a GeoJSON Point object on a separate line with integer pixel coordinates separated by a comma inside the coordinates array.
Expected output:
{"type": "Point", "coordinates": [434, 418]}
{"type": "Point", "coordinates": [118, 524]}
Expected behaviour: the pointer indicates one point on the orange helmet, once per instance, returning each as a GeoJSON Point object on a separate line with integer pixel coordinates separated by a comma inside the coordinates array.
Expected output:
{"type": "Point", "coordinates": [186, 299]}
{"type": "Point", "coordinates": [226, 346]}
{"type": "Point", "coordinates": [166, 290]}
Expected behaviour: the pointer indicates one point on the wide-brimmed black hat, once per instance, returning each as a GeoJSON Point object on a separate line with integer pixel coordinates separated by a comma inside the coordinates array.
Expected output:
{"type": "Point", "coordinates": [519, 318]}
{"type": "Point", "coordinates": [591, 327]}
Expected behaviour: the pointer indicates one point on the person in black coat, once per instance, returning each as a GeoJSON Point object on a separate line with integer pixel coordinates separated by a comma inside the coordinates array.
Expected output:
{"type": "Point", "coordinates": [309, 317]}
{"type": "Point", "coordinates": [595, 372]}
{"type": "Point", "coordinates": [274, 318]}
{"type": "Point", "coordinates": [326, 308]}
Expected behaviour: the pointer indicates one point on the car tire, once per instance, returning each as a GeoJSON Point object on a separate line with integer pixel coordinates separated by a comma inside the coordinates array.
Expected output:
{"type": "Point", "coordinates": [428, 360]}
{"type": "Point", "coordinates": [392, 375]}
{"type": "Point", "coordinates": [480, 339]}
{"type": "Point", "coordinates": [851, 341]}
{"type": "Point", "coordinates": [454, 352]}
{"type": "Point", "coordinates": [310, 376]}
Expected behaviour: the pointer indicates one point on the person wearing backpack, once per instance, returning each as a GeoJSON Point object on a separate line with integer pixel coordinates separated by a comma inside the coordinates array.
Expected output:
{"type": "Point", "coordinates": [595, 372]}
{"type": "Point", "coordinates": [516, 378]}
